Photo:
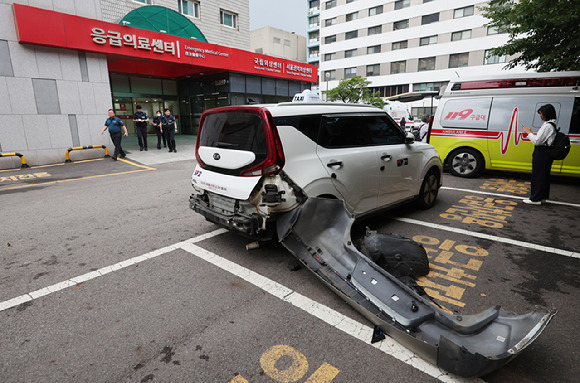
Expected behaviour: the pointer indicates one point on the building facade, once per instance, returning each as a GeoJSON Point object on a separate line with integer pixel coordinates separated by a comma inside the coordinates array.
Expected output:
{"type": "Point", "coordinates": [279, 43]}
{"type": "Point", "coordinates": [313, 31]}
{"type": "Point", "coordinates": [64, 63]}
{"type": "Point", "coordinates": [406, 45]}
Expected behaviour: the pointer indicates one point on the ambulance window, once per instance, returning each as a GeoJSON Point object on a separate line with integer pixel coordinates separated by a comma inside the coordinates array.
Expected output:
{"type": "Point", "coordinates": [537, 119]}
{"type": "Point", "coordinates": [575, 121]}
{"type": "Point", "coordinates": [466, 113]}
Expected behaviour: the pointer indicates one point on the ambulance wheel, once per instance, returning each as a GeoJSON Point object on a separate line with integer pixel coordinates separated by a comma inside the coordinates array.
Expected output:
{"type": "Point", "coordinates": [465, 162]}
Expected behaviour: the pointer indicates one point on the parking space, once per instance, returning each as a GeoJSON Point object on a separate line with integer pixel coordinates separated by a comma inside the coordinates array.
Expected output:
{"type": "Point", "coordinates": [40, 176]}
{"type": "Point", "coordinates": [163, 296]}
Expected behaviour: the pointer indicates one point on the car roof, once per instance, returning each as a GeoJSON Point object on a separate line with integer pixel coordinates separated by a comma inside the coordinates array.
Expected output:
{"type": "Point", "coordinates": [305, 108]}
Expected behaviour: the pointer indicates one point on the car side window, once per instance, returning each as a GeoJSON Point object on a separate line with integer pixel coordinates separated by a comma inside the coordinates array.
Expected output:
{"type": "Point", "coordinates": [383, 131]}
{"type": "Point", "coordinates": [307, 125]}
{"type": "Point", "coordinates": [344, 132]}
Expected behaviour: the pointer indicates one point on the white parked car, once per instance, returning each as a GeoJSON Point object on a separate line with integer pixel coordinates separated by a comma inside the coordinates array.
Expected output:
{"type": "Point", "coordinates": [256, 162]}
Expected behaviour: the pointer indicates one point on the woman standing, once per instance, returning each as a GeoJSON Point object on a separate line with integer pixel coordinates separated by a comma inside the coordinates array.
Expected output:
{"type": "Point", "coordinates": [541, 160]}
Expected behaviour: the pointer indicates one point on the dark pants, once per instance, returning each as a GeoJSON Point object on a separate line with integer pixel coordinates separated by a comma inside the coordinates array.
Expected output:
{"type": "Point", "coordinates": [116, 138]}
{"type": "Point", "coordinates": [159, 137]}
{"type": "Point", "coordinates": [170, 137]}
{"type": "Point", "coordinates": [142, 136]}
{"type": "Point", "coordinates": [541, 167]}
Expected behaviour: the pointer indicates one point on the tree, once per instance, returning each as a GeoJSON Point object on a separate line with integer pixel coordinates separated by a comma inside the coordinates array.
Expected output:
{"type": "Point", "coordinates": [355, 90]}
{"type": "Point", "coordinates": [543, 34]}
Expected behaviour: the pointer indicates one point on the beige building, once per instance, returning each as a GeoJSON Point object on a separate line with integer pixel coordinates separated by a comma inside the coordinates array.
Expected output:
{"type": "Point", "coordinates": [277, 42]}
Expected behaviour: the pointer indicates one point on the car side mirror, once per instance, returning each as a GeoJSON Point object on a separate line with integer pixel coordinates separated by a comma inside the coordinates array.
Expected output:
{"type": "Point", "coordinates": [409, 138]}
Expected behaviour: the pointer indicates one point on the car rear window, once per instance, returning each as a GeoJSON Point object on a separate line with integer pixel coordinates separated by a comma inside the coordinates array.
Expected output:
{"type": "Point", "coordinates": [307, 125]}
{"type": "Point", "coordinates": [234, 130]}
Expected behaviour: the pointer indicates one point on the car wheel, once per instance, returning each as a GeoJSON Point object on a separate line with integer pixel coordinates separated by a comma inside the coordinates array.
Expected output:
{"type": "Point", "coordinates": [467, 163]}
{"type": "Point", "coordinates": [429, 190]}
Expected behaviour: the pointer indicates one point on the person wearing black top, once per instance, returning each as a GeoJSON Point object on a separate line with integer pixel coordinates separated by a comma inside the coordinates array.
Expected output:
{"type": "Point", "coordinates": [160, 135]}
{"type": "Point", "coordinates": [141, 119]}
{"type": "Point", "coordinates": [169, 128]}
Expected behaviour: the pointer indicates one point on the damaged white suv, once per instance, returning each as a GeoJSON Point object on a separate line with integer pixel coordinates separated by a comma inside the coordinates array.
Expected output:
{"type": "Point", "coordinates": [256, 162]}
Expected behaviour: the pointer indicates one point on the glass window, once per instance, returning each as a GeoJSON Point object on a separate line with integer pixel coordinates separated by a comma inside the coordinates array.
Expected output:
{"type": "Point", "coordinates": [376, 30]}
{"type": "Point", "coordinates": [373, 70]}
{"type": "Point", "coordinates": [330, 4]}
{"type": "Point", "coordinates": [349, 72]}
{"type": "Point", "coordinates": [330, 75]}
{"type": "Point", "coordinates": [429, 86]}
{"type": "Point", "coordinates": [426, 63]}
{"type": "Point", "coordinates": [458, 60]}
{"type": "Point", "coordinates": [399, 45]}
{"type": "Point", "coordinates": [314, 21]}
{"type": "Point", "coordinates": [357, 131]}
{"type": "Point", "coordinates": [398, 67]}
{"type": "Point", "coordinates": [287, 43]}
{"type": "Point", "coordinates": [314, 3]}
{"type": "Point", "coordinates": [351, 35]}
{"type": "Point", "coordinates": [329, 56]}
{"type": "Point", "coordinates": [276, 40]}
{"type": "Point", "coordinates": [228, 19]}
{"type": "Point", "coordinates": [491, 59]}
{"type": "Point", "coordinates": [376, 10]}
{"type": "Point", "coordinates": [428, 19]}
{"type": "Point", "coordinates": [400, 4]}
{"type": "Point", "coordinates": [329, 22]}
{"type": "Point", "coordinates": [461, 35]}
{"type": "Point", "coordinates": [307, 125]}
{"type": "Point", "coordinates": [352, 16]}
{"type": "Point", "coordinates": [575, 120]}
{"type": "Point", "coordinates": [428, 40]}
{"type": "Point", "coordinates": [463, 12]}
{"type": "Point", "coordinates": [189, 8]}
{"type": "Point", "coordinates": [373, 49]}
{"type": "Point", "coordinates": [330, 39]}
{"type": "Point", "coordinates": [402, 24]}
{"type": "Point", "coordinates": [494, 30]}
{"type": "Point", "coordinates": [350, 53]}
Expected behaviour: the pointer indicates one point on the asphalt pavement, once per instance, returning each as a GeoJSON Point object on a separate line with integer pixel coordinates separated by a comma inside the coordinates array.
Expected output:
{"type": "Point", "coordinates": [108, 276]}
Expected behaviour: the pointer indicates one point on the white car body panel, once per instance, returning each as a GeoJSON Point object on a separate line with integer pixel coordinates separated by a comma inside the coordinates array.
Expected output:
{"type": "Point", "coordinates": [226, 158]}
{"type": "Point", "coordinates": [226, 185]}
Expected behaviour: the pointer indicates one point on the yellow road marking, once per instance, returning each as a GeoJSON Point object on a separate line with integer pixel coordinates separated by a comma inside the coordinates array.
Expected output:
{"type": "Point", "coordinates": [238, 379]}
{"type": "Point", "coordinates": [324, 374]}
{"type": "Point", "coordinates": [76, 179]}
{"type": "Point", "coordinates": [138, 165]}
{"type": "Point", "coordinates": [291, 374]}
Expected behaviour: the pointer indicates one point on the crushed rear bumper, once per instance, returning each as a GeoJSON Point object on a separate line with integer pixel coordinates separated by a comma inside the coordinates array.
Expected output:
{"type": "Point", "coordinates": [318, 234]}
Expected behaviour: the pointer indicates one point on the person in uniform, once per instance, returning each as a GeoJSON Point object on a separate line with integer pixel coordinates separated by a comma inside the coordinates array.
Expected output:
{"type": "Point", "coordinates": [169, 128]}
{"type": "Point", "coordinates": [541, 160]}
{"type": "Point", "coordinates": [140, 118]}
{"type": "Point", "coordinates": [160, 135]}
{"type": "Point", "coordinates": [114, 124]}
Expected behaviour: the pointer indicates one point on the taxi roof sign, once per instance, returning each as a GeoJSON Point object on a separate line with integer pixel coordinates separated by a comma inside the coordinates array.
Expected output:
{"type": "Point", "coordinates": [306, 96]}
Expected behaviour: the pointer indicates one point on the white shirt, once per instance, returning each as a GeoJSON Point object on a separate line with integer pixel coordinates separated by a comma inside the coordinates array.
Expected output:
{"type": "Point", "coordinates": [423, 132]}
{"type": "Point", "coordinates": [545, 135]}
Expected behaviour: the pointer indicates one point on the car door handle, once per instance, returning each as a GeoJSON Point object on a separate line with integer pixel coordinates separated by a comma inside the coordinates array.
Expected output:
{"type": "Point", "coordinates": [386, 157]}
{"type": "Point", "coordinates": [334, 163]}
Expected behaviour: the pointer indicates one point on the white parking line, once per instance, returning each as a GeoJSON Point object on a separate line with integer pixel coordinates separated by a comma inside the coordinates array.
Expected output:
{"type": "Point", "coordinates": [100, 272]}
{"type": "Point", "coordinates": [341, 322]}
{"type": "Point", "coordinates": [508, 196]}
{"type": "Point", "coordinates": [566, 253]}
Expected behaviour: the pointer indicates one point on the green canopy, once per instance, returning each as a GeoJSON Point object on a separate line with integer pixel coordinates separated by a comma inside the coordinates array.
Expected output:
{"type": "Point", "coordinates": [156, 19]}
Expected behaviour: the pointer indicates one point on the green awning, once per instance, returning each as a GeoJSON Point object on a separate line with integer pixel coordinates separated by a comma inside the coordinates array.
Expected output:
{"type": "Point", "coordinates": [160, 19]}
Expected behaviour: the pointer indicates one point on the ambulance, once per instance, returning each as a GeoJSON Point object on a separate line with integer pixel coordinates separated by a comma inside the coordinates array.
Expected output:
{"type": "Point", "coordinates": [478, 123]}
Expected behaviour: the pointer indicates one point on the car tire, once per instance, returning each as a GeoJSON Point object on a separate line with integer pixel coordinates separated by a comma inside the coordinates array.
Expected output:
{"type": "Point", "coordinates": [429, 190]}
{"type": "Point", "coordinates": [466, 163]}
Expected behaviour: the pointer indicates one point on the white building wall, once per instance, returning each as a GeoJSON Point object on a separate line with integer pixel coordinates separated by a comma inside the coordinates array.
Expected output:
{"type": "Point", "coordinates": [277, 42]}
{"type": "Point", "coordinates": [475, 46]}
{"type": "Point", "coordinates": [208, 21]}
{"type": "Point", "coordinates": [44, 136]}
